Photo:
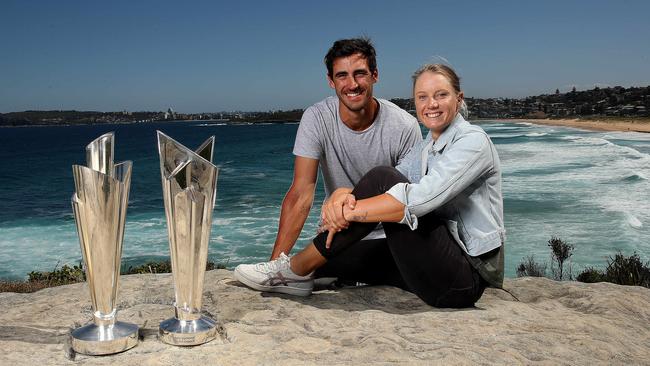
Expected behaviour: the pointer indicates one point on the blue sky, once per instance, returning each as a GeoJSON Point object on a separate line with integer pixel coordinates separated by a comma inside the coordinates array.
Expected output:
{"type": "Point", "coordinates": [208, 56]}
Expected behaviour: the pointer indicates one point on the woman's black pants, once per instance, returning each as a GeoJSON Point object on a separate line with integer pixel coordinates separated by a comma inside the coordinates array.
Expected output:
{"type": "Point", "coordinates": [427, 261]}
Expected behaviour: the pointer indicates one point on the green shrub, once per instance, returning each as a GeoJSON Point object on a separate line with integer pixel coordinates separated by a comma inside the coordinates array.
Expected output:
{"type": "Point", "coordinates": [150, 267]}
{"type": "Point", "coordinates": [560, 252]}
{"type": "Point", "coordinates": [528, 267]}
{"type": "Point", "coordinates": [58, 277]}
{"type": "Point", "coordinates": [38, 280]}
{"type": "Point", "coordinates": [591, 275]}
{"type": "Point", "coordinates": [621, 270]}
{"type": "Point", "coordinates": [628, 270]}
{"type": "Point", "coordinates": [164, 267]}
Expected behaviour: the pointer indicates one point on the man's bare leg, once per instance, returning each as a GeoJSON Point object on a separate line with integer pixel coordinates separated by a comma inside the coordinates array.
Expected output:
{"type": "Point", "coordinates": [307, 260]}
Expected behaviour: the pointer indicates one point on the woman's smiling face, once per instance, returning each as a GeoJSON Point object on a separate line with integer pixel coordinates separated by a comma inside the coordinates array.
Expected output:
{"type": "Point", "coordinates": [436, 101]}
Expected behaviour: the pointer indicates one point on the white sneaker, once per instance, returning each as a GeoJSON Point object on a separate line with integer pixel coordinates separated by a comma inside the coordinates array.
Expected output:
{"type": "Point", "coordinates": [274, 276]}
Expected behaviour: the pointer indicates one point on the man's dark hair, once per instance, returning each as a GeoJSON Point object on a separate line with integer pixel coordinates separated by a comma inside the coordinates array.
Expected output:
{"type": "Point", "coordinates": [348, 47]}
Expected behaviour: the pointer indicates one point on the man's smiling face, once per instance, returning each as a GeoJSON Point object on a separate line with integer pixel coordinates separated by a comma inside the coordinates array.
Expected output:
{"type": "Point", "coordinates": [352, 80]}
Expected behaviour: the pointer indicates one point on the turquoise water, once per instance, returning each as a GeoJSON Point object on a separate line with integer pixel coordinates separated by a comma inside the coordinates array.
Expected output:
{"type": "Point", "coordinates": [588, 188]}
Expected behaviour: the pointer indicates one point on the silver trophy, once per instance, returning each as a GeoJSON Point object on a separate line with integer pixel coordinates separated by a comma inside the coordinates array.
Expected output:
{"type": "Point", "coordinates": [99, 205]}
{"type": "Point", "coordinates": [189, 183]}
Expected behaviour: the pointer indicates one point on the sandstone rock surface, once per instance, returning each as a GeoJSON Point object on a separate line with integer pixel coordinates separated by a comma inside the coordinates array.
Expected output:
{"type": "Point", "coordinates": [551, 323]}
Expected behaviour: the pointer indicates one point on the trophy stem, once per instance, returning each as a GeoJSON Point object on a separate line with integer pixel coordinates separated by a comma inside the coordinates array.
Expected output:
{"type": "Point", "coordinates": [102, 320]}
{"type": "Point", "coordinates": [186, 313]}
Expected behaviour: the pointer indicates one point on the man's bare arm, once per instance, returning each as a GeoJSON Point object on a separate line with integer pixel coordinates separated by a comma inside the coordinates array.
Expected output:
{"type": "Point", "coordinates": [296, 205]}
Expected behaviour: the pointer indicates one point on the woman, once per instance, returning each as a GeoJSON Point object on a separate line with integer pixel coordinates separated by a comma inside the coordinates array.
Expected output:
{"type": "Point", "coordinates": [441, 209]}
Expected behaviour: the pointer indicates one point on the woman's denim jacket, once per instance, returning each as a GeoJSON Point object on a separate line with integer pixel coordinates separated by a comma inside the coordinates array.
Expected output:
{"type": "Point", "coordinates": [459, 177]}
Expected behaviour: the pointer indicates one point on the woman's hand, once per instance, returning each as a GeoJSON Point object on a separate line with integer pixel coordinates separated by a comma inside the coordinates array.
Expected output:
{"type": "Point", "coordinates": [332, 212]}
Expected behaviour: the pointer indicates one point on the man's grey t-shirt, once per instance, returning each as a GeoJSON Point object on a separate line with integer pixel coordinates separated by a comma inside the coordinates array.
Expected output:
{"type": "Point", "coordinates": [346, 155]}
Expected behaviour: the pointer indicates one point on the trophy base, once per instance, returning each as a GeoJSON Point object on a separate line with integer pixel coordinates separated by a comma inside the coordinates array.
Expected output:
{"type": "Point", "coordinates": [97, 340]}
{"type": "Point", "coordinates": [187, 332]}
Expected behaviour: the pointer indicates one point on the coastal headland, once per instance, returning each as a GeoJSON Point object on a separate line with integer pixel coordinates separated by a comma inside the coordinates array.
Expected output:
{"type": "Point", "coordinates": [544, 322]}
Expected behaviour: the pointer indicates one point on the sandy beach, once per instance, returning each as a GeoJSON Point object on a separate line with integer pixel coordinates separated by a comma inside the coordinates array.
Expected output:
{"type": "Point", "coordinates": [642, 125]}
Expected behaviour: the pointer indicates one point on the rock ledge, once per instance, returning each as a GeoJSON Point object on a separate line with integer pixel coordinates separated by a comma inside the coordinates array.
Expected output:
{"type": "Point", "coordinates": [553, 323]}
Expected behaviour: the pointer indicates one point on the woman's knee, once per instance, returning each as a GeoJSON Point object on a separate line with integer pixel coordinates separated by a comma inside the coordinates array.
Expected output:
{"type": "Point", "coordinates": [388, 173]}
{"type": "Point", "coordinates": [377, 181]}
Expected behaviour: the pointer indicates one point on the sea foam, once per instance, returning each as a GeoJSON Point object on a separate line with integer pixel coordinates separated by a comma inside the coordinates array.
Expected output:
{"type": "Point", "coordinates": [634, 222]}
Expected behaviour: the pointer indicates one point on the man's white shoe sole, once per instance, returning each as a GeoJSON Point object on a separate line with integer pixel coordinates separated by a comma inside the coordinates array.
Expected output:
{"type": "Point", "coordinates": [285, 289]}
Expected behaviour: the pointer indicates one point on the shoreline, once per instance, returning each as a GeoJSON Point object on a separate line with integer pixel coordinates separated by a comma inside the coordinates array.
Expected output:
{"type": "Point", "coordinates": [229, 122]}
{"type": "Point", "coordinates": [621, 125]}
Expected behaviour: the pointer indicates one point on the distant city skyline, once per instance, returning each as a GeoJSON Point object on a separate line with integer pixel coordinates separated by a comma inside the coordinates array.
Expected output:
{"type": "Point", "coordinates": [211, 56]}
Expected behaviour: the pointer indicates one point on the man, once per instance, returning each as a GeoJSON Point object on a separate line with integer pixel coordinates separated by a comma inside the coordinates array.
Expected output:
{"type": "Point", "coordinates": [345, 136]}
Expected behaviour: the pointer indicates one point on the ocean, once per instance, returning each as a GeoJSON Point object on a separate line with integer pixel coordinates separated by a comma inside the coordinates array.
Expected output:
{"type": "Point", "coordinates": [588, 188]}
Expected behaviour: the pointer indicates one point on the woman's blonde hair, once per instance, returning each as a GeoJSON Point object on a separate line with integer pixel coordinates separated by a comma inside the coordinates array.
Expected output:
{"type": "Point", "coordinates": [451, 76]}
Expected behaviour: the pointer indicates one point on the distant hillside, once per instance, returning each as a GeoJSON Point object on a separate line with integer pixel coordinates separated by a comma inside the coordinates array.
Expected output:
{"type": "Point", "coordinates": [615, 102]}
{"type": "Point", "coordinates": [32, 118]}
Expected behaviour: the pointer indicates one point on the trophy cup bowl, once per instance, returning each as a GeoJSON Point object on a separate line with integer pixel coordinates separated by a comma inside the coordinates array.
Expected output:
{"type": "Point", "coordinates": [99, 204]}
{"type": "Point", "coordinates": [189, 182]}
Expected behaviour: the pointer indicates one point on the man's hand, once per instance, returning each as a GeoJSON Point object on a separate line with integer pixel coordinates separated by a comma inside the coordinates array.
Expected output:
{"type": "Point", "coordinates": [381, 208]}
{"type": "Point", "coordinates": [332, 212]}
